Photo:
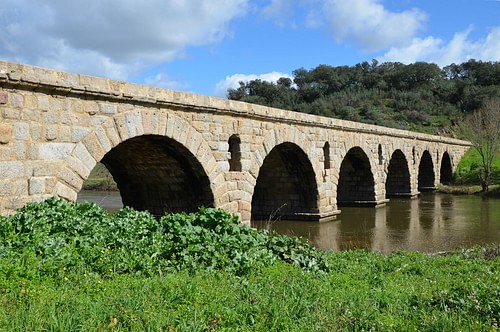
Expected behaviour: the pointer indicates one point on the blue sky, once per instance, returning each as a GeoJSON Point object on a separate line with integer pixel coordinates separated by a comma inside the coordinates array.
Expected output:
{"type": "Point", "coordinates": [207, 46]}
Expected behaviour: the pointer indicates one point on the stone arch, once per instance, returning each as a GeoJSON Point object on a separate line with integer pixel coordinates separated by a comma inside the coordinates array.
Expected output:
{"type": "Point", "coordinates": [176, 151]}
{"type": "Point", "coordinates": [278, 136]}
{"type": "Point", "coordinates": [290, 134]}
{"type": "Point", "coordinates": [356, 183]}
{"type": "Point", "coordinates": [398, 182]}
{"type": "Point", "coordinates": [446, 170]}
{"type": "Point", "coordinates": [286, 185]}
{"type": "Point", "coordinates": [426, 176]}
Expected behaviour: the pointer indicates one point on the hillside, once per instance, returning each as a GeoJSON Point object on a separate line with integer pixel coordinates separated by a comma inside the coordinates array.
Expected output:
{"type": "Point", "coordinates": [420, 96]}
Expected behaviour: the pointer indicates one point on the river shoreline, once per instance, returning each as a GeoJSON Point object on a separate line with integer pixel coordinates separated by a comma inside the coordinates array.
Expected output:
{"type": "Point", "coordinates": [494, 190]}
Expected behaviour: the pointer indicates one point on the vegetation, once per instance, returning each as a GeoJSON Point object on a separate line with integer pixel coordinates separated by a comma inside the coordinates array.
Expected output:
{"type": "Point", "coordinates": [482, 129]}
{"type": "Point", "coordinates": [100, 179]}
{"type": "Point", "coordinates": [55, 237]}
{"type": "Point", "coordinates": [419, 96]}
{"type": "Point", "coordinates": [468, 170]}
{"type": "Point", "coordinates": [71, 267]}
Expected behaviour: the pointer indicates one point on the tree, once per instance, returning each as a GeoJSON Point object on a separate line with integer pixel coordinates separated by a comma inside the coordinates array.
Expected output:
{"type": "Point", "coordinates": [482, 129]}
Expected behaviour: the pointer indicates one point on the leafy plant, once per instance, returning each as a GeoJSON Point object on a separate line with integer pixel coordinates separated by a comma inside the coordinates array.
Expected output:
{"type": "Point", "coordinates": [55, 237]}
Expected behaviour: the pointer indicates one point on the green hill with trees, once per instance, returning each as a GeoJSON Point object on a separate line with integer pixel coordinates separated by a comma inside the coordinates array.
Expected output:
{"type": "Point", "coordinates": [419, 96]}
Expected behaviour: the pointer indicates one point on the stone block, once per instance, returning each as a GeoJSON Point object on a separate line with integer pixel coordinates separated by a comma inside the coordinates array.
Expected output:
{"type": "Point", "coordinates": [5, 133]}
{"type": "Point", "coordinates": [4, 97]}
{"type": "Point", "coordinates": [82, 154]}
{"type": "Point", "coordinates": [5, 153]}
{"type": "Point", "coordinates": [71, 178]}
{"type": "Point", "coordinates": [180, 131]}
{"type": "Point", "coordinates": [78, 167]}
{"type": "Point", "coordinates": [11, 169]}
{"type": "Point", "coordinates": [21, 131]}
{"type": "Point", "coordinates": [149, 122]}
{"type": "Point", "coordinates": [162, 122]}
{"type": "Point", "coordinates": [108, 109]}
{"type": "Point", "coordinates": [112, 133]}
{"type": "Point", "coordinates": [55, 151]}
{"type": "Point", "coordinates": [21, 150]}
{"type": "Point", "coordinates": [193, 141]}
{"type": "Point", "coordinates": [37, 185]}
{"type": "Point", "coordinates": [93, 146]}
{"type": "Point", "coordinates": [103, 139]}
{"type": "Point", "coordinates": [16, 100]}
{"type": "Point", "coordinates": [51, 132]}
{"type": "Point", "coordinates": [78, 133]}
{"type": "Point", "coordinates": [64, 191]}
{"type": "Point", "coordinates": [43, 168]}
{"type": "Point", "coordinates": [36, 132]}
{"type": "Point", "coordinates": [5, 187]}
{"type": "Point", "coordinates": [51, 117]}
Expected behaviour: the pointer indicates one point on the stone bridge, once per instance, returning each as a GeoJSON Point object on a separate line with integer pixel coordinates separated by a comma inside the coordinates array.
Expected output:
{"type": "Point", "coordinates": [170, 151]}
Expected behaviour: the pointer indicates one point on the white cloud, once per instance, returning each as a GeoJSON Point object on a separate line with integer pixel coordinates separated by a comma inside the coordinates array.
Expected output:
{"type": "Point", "coordinates": [113, 38]}
{"type": "Point", "coordinates": [278, 8]}
{"type": "Point", "coordinates": [233, 81]}
{"type": "Point", "coordinates": [370, 25]}
{"type": "Point", "coordinates": [460, 49]}
{"type": "Point", "coordinates": [162, 80]}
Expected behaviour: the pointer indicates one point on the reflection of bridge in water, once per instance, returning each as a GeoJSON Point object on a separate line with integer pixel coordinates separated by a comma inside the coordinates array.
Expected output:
{"type": "Point", "coordinates": [432, 223]}
{"type": "Point", "coordinates": [170, 151]}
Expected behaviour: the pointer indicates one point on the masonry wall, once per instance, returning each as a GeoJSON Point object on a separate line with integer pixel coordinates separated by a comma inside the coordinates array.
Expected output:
{"type": "Point", "coordinates": [55, 127]}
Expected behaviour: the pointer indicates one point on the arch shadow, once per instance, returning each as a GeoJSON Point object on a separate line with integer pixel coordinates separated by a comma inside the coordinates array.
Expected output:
{"type": "Point", "coordinates": [446, 170]}
{"type": "Point", "coordinates": [286, 186]}
{"type": "Point", "coordinates": [158, 174]}
{"type": "Point", "coordinates": [398, 176]}
{"type": "Point", "coordinates": [356, 186]}
{"type": "Point", "coordinates": [426, 175]}
{"type": "Point", "coordinates": [159, 162]}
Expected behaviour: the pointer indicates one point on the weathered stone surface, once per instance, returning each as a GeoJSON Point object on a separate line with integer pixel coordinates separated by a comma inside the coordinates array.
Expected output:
{"type": "Point", "coordinates": [36, 185]}
{"type": "Point", "coordinates": [4, 97]}
{"type": "Point", "coordinates": [53, 151]}
{"type": "Point", "coordinates": [5, 133]}
{"type": "Point", "coordinates": [169, 150]}
{"type": "Point", "coordinates": [21, 131]}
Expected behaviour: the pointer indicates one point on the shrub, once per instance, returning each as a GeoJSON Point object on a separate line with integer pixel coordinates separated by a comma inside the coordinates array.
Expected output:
{"type": "Point", "coordinates": [54, 238]}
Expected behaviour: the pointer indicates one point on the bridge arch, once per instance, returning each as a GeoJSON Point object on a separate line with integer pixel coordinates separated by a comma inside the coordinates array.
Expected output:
{"type": "Point", "coordinates": [356, 184]}
{"type": "Point", "coordinates": [426, 176]}
{"type": "Point", "coordinates": [446, 169]}
{"type": "Point", "coordinates": [159, 161]}
{"type": "Point", "coordinates": [398, 181]}
{"type": "Point", "coordinates": [292, 140]}
{"type": "Point", "coordinates": [286, 185]}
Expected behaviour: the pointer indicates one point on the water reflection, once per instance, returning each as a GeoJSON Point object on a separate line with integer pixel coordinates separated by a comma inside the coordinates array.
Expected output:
{"type": "Point", "coordinates": [431, 223]}
{"type": "Point", "coordinates": [434, 222]}
{"type": "Point", "coordinates": [110, 200]}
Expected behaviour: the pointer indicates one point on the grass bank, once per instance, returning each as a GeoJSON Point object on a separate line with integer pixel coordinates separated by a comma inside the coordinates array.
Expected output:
{"type": "Point", "coordinates": [472, 189]}
{"type": "Point", "coordinates": [72, 267]}
{"type": "Point", "coordinates": [467, 171]}
{"type": "Point", "coordinates": [362, 291]}
{"type": "Point", "coordinates": [100, 179]}
{"type": "Point", "coordinates": [466, 177]}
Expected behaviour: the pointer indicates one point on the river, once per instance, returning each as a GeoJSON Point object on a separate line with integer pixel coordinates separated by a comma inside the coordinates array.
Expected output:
{"type": "Point", "coordinates": [431, 223]}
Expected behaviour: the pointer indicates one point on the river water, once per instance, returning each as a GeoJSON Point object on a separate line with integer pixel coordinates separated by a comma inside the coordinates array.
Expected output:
{"type": "Point", "coordinates": [431, 223]}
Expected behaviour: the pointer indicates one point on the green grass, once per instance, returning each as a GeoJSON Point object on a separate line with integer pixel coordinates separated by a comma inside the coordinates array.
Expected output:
{"type": "Point", "coordinates": [72, 267]}
{"type": "Point", "coordinates": [364, 291]}
{"type": "Point", "coordinates": [468, 168]}
{"type": "Point", "coordinates": [100, 179]}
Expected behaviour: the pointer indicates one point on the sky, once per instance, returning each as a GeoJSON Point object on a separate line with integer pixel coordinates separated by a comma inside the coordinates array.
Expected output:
{"type": "Point", "coordinates": [208, 46]}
